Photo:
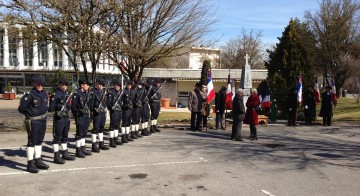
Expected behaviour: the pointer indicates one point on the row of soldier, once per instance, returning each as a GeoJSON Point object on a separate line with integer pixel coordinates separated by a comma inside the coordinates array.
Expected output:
{"type": "Point", "coordinates": [129, 107]}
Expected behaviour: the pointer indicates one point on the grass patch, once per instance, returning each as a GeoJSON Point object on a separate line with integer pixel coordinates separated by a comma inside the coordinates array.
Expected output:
{"type": "Point", "coordinates": [347, 110]}
{"type": "Point", "coordinates": [174, 117]}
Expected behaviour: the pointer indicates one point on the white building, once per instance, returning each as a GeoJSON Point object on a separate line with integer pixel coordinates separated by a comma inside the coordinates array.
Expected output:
{"type": "Point", "coordinates": [193, 58]}
{"type": "Point", "coordinates": [20, 61]}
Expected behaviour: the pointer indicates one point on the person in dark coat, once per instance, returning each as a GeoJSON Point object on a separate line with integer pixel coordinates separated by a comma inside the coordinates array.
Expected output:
{"type": "Point", "coordinates": [60, 105]}
{"type": "Point", "coordinates": [251, 117]}
{"type": "Point", "coordinates": [97, 106]}
{"type": "Point", "coordinates": [292, 107]}
{"type": "Point", "coordinates": [238, 115]}
{"type": "Point", "coordinates": [145, 114]}
{"type": "Point", "coordinates": [81, 112]}
{"type": "Point", "coordinates": [326, 110]}
{"type": "Point", "coordinates": [154, 101]}
{"type": "Point", "coordinates": [137, 110]}
{"type": "Point", "coordinates": [34, 105]}
{"type": "Point", "coordinates": [114, 106]}
{"type": "Point", "coordinates": [309, 105]}
{"type": "Point", "coordinates": [127, 108]}
{"type": "Point", "coordinates": [196, 98]}
{"type": "Point", "coordinates": [220, 99]}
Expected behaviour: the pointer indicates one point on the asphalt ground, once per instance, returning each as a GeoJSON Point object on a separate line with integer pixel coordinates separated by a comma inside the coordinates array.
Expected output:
{"type": "Point", "coordinates": [299, 160]}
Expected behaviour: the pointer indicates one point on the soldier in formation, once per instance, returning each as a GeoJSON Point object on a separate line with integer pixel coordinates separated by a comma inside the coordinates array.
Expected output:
{"type": "Point", "coordinates": [129, 107]}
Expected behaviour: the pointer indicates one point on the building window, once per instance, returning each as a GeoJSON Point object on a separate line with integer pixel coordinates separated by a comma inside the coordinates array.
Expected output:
{"type": "Point", "coordinates": [28, 53]}
{"type": "Point", "coordinates": [57, 56]}
{"type": "Point", "coordinates": [43, 54]}
{"type": "Point", "coordinates": [13, 51]}
{"type": "Point", "coordinates": [2, 47]}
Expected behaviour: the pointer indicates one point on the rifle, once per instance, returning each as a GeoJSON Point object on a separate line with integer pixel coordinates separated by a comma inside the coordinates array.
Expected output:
{"type": "Point", "coordinates": [102, 106]}
{"type": "Point", "coordinates": [117, 106]}
{"type": "Point", "coordinates": [64, 109]}
{"type": "Point", "coordinates": [154, 96]}
{"type": "Point", "coordinates": [86, 109]}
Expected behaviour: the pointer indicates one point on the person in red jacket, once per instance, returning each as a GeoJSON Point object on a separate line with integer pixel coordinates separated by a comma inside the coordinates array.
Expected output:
{"type": "Point", "coordinates": [251, 116]}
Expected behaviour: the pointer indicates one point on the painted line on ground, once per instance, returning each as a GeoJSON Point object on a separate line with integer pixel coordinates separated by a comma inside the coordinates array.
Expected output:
{"type": "Point", "coordinates": [202, 160]}
{"type": "Point", "coordinates": [267, 193]}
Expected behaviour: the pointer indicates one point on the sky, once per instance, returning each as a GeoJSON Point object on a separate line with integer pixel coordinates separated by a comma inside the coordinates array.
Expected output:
{"type": "Point", "coordinates": [269, 16]}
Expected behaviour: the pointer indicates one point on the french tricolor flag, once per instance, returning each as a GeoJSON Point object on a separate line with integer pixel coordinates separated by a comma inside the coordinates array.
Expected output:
{"type": "Point", "coordinates": [229, 95]}
{"type": "Point", "coordinates": [210, 88]}
{"type": "Point", "coordinates": [299, 90]}
{"type": "Point", "coordinates": [265, 100]}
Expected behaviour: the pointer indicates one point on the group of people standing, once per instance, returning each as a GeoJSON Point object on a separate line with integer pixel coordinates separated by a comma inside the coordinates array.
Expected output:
{"type": "Point", "coordinates": [310, 100]}
{"type": "Point", "coordinates": [131, 109]}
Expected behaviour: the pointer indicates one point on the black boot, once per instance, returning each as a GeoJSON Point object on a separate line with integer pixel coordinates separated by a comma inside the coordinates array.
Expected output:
{"type": "Point", "coordinates": [58, 159]}
{"type": "Point", "coordinates": [255, 134]}
{"type": "Point", "coordinates": [102, 146]}
{"type": "Point", "coordinates": [144, 132]}
{"type": "Point", "coordinates": [156, 129]}
{"type": "Point", "coordinates": [31, 167]}
{"type": "Point", "coordinates": [152, 130]}
{"type": "Point", "coordinates": [67, 156]}
{"type": "Point", "coordinates": [133, 136]}
{"type": "Point", "coordinates": [251, 133]}
{"type": "Point", "coordinates": [79, 153]}
{"type": "Point", "coordinates": [94, 147]}
{"type": "Point", "coordinates": [128, 137]}
{"type": "Point", "coordinates": [148, 132]}
{"type": "Point", "coordinates": [113, 144]}
{"type": "Point", "coordinates": [86, 152]}
{"type": "Point", "coordinates": [124, 139]}
{"type": "Point", "coordinates": [138, 134]}
{"type": "Point", "coordinates": [40, 164]}
{"type": "Point", "coordinates": [118, 140]}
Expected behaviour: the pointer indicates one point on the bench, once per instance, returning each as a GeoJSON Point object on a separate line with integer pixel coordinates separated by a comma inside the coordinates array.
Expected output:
{"type": "Point", "coordinates": [263, 118]}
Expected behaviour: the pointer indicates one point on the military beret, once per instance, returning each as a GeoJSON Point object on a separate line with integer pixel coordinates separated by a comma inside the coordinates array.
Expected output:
{"type": "Point", "coordinates": [150, 81]}
{"type": "Point", "coordinates": [223, 88]}
{"type": "Point", "coordinates": [63, 81]}
{"type": "Point", "coordinates": [39, 80]}
{"type": "Point", "coordinates": [139, 82]}
{"type": "Point", "coordinates": [116, 82]}
{"type": "Point", "coordinates": [157, 80]}
{"type": "Point", "coordinates": [197, 84]}
{"type": "Point", "coordinates": [101, 81]}
{"type": "Point", "coordinates": [83, 81]}
{"type": "Point", "coordinates": [129, 82]}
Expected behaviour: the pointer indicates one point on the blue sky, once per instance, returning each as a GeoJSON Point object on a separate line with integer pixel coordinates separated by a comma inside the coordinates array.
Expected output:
{"type": "Point", "coordinates": [269, 16]}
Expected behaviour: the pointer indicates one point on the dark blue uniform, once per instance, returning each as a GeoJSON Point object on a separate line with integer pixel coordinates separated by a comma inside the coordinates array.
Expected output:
{"type": "Point", "coordinates": [127, 107]}
{"type": "Point", "coordinates": [137, 104]}
{"type": "Point", "coordinates": [145, 106]}
{"type": "Point", "coordinates": [81, 113]}
{"type": "Point", "coordinates": [99, 111]}
{"type": "Point", "coordinates": [61, 121]}
{"type": "Point", "coordinates": [34, 106]}
{"type": "Point", "coordinates": [309, 106]}
{"type": "Point", "coordinates": [154, 98]}
{"type": "Point", "coordinates": [115, 112]}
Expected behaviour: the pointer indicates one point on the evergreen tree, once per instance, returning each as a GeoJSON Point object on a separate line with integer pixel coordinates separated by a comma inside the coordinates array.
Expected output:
{"type": "Point", "coordinates": [206, 66]}
{"type": "Point", "coordinates": [287, 62]}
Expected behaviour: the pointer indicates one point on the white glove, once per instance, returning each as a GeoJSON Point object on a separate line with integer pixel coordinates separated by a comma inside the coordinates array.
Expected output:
{"type": "Point", "coordinates": [290, 109]}
{"type": "Point", "coordinates": [306, 107]}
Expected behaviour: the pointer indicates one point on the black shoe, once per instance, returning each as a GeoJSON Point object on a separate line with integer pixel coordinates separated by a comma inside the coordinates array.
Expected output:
{"type": "Point", "coordinates": [86, 152]}
{"type": "Point", "coordinates": [128, 138]}
{"type": "Point", "coordinates": [240, 139]}
{"type": "Point", "coordinates": [124, 139]}
{"type": "Point", "coordinates": [58, 159]}
{"type": "Point", "coordinates": [113, 144]}
{"type": "Point", "coordinates": [133, 136]}
{"type": "Point", "coordinates": [79, 153]}
{"type": "Point", "coordinates": [118, 140]}
{"type": "Point", "coordinates": [144, 132]}
{"type": "Point", "coordinates": [67, 156]}
{"type": "Point", "coordinates": [40, 164]}
{"type": "Point", "coordinates": [94, 147]}
{"type": "Point", "coordinates": [152, 130]}
{"type": "Point", "coordinates": [31, 167]}
{"type": "Point", "coordinates": [138, 134]}
{"type": "Point", "coordinates": [148, 132]}
{"type": "Point", "coordinates": [156, 129]}
{"type": "Point", "coordinates": [102, 146]}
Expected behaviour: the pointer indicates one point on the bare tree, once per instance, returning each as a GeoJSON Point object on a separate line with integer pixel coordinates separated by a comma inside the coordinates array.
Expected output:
{"type": "Point", "coordinates": [234, 50]}
{"type": "Point", "coordinates": [336, 30]}
{"type": "Point", "coordinates": [153, 30]}
{"type": "Point", "coordinates": [82, 28]}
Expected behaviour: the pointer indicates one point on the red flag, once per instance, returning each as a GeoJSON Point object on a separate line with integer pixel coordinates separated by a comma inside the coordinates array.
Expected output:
{"type": "Point", "coordinates": [333, 94]}
{"type": "Point", "coordinates": [228, 98]}
{"type": "Point", "coordinates": [316, 92]}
